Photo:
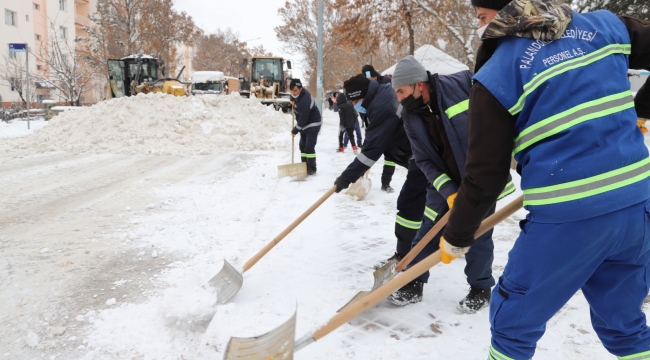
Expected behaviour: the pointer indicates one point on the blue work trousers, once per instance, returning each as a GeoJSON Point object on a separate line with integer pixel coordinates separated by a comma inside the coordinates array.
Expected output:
{"type": "Point", "coordinates": [358, 132]}
{"type": "Point", "coordinates": [607, 257]}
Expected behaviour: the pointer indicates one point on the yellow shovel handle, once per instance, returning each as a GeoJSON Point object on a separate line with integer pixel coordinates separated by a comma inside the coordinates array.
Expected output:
{"type": "Point", "coordinates": [407, 276]}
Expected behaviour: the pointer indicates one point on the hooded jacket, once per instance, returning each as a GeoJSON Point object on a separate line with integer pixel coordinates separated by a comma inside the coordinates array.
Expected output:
{"type": "Point", "coordinates": [307, 114]}
{"type": "Point", "coordinates": [384, 134]}
{"type": "Point", "coordinates": [347, 114]}
{"type": "Point", "coordinates": [494, 127]}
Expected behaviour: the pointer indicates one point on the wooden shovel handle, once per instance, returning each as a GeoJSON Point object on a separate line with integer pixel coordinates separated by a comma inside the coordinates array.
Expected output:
{"type": "Point", "coordinates": [486, 225]}
{"type": "Point", "coordinates": [349, 312]}
{"type": "Point", "coordinates": [249, 264]}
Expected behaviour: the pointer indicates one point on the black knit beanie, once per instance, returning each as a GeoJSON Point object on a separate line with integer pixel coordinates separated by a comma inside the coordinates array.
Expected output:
{"type": "Point", "coordinates": [490, 4]}
{"type": "Point", "coordinates": [369, 69]}
{"type": "Point", "coordinates": [356, 87]}
{"type": "Point", "coordinates": [294, 83]}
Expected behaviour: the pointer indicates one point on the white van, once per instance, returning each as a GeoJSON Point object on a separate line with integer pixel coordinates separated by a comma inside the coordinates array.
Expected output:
{"type": "Point", "coordinates": [207, 82]}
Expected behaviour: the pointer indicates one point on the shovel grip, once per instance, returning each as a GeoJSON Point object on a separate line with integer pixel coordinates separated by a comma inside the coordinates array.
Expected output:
{"type": "Point", "coordinates": [486, 225]}
{"type": "Point", "coordinates": [349, 312]}
{"type": "Point", "coordinates": [249, 264]}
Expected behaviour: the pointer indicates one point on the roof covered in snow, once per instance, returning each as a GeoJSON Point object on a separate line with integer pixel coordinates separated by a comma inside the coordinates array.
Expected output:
{"type": "Point", "coordinates": [434, 60]}
{"type": "Point", "coordinates": [205, 76]}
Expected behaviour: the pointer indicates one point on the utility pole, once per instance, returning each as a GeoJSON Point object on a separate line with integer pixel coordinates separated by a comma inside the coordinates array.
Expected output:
{"type": "Point", "coordinates": [319, 72]}
{"type": "Point", "coordinates": [27, 83]}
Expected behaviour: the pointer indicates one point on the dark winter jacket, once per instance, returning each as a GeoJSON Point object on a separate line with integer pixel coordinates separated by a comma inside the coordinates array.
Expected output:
{"type": "Point", "coordinates": [490, 160]}
{"type": "Point", "coordinates": [384, 134]}
{"type": "Point", "coordinates": [307, 114]}
{"type": "Point", "coordinates": [383, 80]}
{"type": "Point", "coordinates": [452, 98]}
{"type": "Point", "coordinates": [347, 114]}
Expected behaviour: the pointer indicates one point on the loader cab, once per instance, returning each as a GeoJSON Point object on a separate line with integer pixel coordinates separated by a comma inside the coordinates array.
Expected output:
{"type": "Point", "coordinates": [270, 69]}
{"type": "Point", "coordinates": [126, 73]}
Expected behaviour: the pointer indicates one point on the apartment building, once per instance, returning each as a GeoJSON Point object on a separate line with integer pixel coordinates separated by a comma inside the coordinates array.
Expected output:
{"type": "Point", "coordinates": [32, 22]}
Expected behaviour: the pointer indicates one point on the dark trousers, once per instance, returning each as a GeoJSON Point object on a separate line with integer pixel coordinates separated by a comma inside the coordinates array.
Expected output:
{"type": "Point", "coordinates": [350, 133]}
{"type": "Point", "coordinates": [389, 170]}
{"type": "Point", "coordinates": [358, 131]}
{"type": "Point", "coordinates": [479, 258]}
{"type": "Point", "coordinates": [410, 208]}
{"type": "Point", "coordinates": [308, 138]}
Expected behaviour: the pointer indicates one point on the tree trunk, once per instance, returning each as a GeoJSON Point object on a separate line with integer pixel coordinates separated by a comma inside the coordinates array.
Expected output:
{"type": "Point", "coordinates": [409, 24]}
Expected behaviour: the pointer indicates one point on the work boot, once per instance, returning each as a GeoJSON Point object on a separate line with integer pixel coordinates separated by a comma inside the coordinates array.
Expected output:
{"type": "Point", "coordinates": [311, 172]}
{"type": "Point", "coordinates": [355, 151]}
{"type": "Point", "coordinates": [340, 149]}
{"type": "Point", "coordinates": [410, 293]}
{"type": "Point", "coordinates": [476, 300]}
{"type": "Point", "coordinates": [387, 188]}
{"type": "Point", "coordinates": [397, 257]}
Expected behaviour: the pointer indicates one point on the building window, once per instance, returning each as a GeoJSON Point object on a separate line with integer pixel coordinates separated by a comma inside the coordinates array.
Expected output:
{"type": "Point", "coordinates": [27, 18]}
{"type": "Point", "coordinates": [62, 5]}
{"type": "Point", "coordinates": [39, 67]}
{"type": "Point", "coordinates": [36, 6]}
{"type": "Point", "coordinates": [63, 32]}
{"type": "Point", "coordinates": [10, 17]}
{"type": "Point", "coordinates": [12, 83]}
{"type": "Point", "coordinates": [40, 98]}
{"type": "Point", "coordinates": [37, 37]}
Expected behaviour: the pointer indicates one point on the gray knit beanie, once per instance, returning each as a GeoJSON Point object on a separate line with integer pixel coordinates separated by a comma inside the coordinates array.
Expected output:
{"type": "Point", "coordinates": [409, 71]}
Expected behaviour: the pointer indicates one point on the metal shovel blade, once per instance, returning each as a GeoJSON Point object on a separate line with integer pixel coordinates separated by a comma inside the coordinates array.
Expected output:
{"type": "Point", "coordinates": [226, 283]}
{"type": "Point", "coordinates": [298, 170]}
{"type": "Point", "coordinates": [277, 344]}
{"type": "Point", "coordinates": [360, 188]}
{"type": "Point", "coordinates": [382, 275]}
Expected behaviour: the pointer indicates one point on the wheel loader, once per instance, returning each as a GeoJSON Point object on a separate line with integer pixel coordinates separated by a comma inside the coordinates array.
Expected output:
{"type": "Point", "coordinates": [136, 74]}
{"type": "Point", "coordinates": [268, 81]}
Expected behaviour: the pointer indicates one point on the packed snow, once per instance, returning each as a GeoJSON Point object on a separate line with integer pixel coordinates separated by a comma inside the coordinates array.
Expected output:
{"type": "Point", "coordinates": [157, 123]}
{"type": "Point", "coordinates": [131, 239]}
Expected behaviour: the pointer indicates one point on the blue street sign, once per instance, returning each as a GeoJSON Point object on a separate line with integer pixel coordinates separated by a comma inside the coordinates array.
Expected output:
{"type": "Point", "coordinates": [18, 48]}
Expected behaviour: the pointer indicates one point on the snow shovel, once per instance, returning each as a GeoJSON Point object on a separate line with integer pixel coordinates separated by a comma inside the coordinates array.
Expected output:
{"type": "Point", "coordinates": [360, 188]}
{"type": "Point", "coordinates": [228, 281]}
{"type": "Point", "coordinates": [299, 170]}
{"type": "Point", "coordinates": [283, 336]}
{"type": "Point", "coordinates": [392, 268]}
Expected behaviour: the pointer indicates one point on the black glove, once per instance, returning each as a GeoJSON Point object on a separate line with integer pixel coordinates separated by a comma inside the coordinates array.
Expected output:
{"type": "Point", "coordinates": [341, 184]}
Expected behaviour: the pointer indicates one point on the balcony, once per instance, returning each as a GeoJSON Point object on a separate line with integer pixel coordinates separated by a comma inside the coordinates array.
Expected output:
{"type": "Point", "coordinates": [80, 20]}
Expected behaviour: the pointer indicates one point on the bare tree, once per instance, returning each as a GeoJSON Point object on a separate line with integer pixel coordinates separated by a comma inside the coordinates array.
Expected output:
{"type": "Point", "coordinates": [12, 70]}
{"type": "Point", "coordinates": [458, 19]}
{"type": "Point", "coordinates": [221, 51]}
{"type": "Point", "coordinates": [68, 76]}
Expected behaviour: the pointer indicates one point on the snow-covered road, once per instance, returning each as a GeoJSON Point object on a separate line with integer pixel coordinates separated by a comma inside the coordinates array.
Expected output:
{"type": "Point", "coordinates": [77, 231]}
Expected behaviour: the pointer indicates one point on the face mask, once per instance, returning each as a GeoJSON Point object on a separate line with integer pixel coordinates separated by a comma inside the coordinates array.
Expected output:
{"type": "Point", "coordinates": [410, 103]}
{"type": "Point", "coordinates": [481, 30]}
{"type": "Point", "coordinates": [360, 108]}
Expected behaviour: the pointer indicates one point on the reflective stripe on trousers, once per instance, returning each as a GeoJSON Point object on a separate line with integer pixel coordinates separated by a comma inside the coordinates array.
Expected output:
{"type": "Point", "coordinates": [409, 224]}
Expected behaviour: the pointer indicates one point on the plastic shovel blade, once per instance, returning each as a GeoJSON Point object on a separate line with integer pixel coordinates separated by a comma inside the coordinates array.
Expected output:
{"type": "Point", "coordinates": [277, 344]}
{"type": "Point", "coordinates": [360, 188]}
{"type": "Point", "coordinates": [382, 275]}
{"type": "Point", "coordinates": [297, 171]}
{"type": "Point", "coordinates": [226, 283]}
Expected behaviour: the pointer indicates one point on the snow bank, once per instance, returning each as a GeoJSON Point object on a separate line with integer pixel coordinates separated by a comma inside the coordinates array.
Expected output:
{"type": "Point", "coordinates": [160, 124]}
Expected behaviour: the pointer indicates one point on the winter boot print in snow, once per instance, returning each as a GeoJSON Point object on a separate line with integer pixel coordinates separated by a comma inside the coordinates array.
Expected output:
{"type": "Point", "coordinates": [397, 257]}
{"type": "Point", "coordinates": [387, 188]}
{"type": "Point", "coordinates": [476, 300]}
{"type": "Point", "coordinates": [410, 293]}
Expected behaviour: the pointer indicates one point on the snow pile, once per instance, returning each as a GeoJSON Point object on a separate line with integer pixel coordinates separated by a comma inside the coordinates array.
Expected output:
{"type": "Point", "coordinates": [161, 124]}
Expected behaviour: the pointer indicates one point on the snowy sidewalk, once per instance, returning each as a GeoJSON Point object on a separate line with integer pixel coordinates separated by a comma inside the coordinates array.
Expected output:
{"type": "Point", "coordinates": [229, 207]}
